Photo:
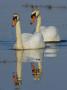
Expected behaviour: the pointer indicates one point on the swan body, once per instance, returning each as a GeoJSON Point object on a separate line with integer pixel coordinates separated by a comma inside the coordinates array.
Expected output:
{"type": "Point", "coordinates": [26, 40]}
{"type": "Point", "coordinates": [49, 33]}
{"type": "Point", "coordinates": [26, 36]}
{"type": "Point", "coordinates": [33, 42]}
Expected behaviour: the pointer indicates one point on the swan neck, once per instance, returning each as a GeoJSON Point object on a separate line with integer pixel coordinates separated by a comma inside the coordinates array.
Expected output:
{"type": "Point", "coordinates": [38, 24]}
{"type": "Point", "coordinates": [18, 36]}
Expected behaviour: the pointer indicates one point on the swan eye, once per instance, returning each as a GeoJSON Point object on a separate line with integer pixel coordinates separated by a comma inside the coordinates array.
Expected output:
{"type": "Point", "coordinates": [33, 15]}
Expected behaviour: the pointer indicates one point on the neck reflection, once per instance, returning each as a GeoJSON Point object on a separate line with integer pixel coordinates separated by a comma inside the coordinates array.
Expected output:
{"type": "Point", "coordinates": [17, 76]}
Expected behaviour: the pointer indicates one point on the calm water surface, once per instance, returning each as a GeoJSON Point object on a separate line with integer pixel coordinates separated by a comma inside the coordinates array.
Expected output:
{"type": "Point", "coordinates": [51, 61]}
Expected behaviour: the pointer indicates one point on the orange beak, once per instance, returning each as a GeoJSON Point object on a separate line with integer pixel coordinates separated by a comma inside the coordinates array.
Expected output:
{"type": "Point", "coordinates": [33, 18]}
{"type": "Point", "coordinates": [14, 22]}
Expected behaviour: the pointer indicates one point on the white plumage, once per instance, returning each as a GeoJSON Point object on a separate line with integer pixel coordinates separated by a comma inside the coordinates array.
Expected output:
{"type": "Point", "coordinates": [50, 33]}
{"type": "Point", "coordinates": [26, 40]}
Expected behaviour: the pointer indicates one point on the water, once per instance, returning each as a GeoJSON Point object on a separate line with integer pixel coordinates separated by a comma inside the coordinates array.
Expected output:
{"type": "Point", "coordinates": [51, 61]}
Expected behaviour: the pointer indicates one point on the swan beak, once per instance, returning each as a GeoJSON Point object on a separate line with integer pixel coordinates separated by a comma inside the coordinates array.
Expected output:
{"type": "Point", "coordinates": [33, 18]}
{"type": "Point", "coordinates": [14, 22]}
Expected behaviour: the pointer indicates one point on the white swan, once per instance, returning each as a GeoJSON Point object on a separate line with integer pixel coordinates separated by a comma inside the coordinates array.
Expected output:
{"type": "Point", "coordinates": [49, 33]}
{"type": "Point", "coordinates": [25, 40]}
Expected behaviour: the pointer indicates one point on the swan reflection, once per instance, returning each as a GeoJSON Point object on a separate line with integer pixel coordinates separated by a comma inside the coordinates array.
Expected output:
{"type": "Point", "coordinates": [51, 50]}
{"type": "Point", "coordinates": [35, 58]}
{"type": "Point", "coordinates": [17, 76]}
{"type": "Point", "coordinates": [36, 70]}
{"type": "Point", "coordinates": [33, 55]}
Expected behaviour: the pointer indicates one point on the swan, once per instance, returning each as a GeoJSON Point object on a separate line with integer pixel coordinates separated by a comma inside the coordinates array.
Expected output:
{"type": "Point", "coordinates": [50, 33]}
{"type": "Point", "coordinates": [26, 40]}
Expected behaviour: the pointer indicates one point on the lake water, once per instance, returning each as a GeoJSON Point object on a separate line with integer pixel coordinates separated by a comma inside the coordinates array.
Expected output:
{"type": "Point", "coordinates": [51, 61]}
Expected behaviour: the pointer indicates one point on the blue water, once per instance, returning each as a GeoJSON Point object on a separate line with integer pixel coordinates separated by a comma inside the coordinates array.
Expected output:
{"type": "Point", "coordinates": [53, 58]}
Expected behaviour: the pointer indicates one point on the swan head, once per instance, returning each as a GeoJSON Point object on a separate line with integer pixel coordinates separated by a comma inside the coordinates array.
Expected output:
{"type": "Point", "coordinates": [35, 14]}
{"type": "Point", "coordinates": [15, 19]}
